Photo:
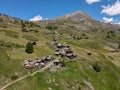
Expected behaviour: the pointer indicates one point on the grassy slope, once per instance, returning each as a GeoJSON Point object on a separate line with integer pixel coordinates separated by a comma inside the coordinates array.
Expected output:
{"type": "Point", "coordinates": [73, 76]}
{"type": "Point", "coordinates": [76, 73]}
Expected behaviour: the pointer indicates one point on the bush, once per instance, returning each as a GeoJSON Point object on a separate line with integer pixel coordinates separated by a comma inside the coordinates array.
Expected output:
{"type": "Point", "coordinates": [49, 27]}
{"type": "Point", "coordinates": [63, 63]}
{"type": "Point", "coordinates": [119, 46]}
{"type": "Point", "coordinates": [29, 48]}
{"type": "Point", "coordinates": [14, 77]}
{"type": "Point", "coordinates": [110, 34]}
{"type": "Point", "coordinates": [96, 67]}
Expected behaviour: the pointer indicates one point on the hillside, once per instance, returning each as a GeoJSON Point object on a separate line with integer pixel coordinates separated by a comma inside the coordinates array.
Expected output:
{"type": "Point", "coordinates": [82, 21]}
{"type": "Point", "coordinates": [92, 41]}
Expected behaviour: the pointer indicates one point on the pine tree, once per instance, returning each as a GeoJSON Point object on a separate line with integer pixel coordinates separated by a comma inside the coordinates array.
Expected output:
{"type": "Point", "coordinates": [29, 48]}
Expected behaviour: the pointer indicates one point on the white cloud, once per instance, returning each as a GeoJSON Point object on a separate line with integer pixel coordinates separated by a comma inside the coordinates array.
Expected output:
{"type": "Point", "coordinates": [118, 23]}
{"type": "Point", "coordinates": [107, 20]}
{"type": "Point", "coordinates": [111, 20]}
{"type": "Point", "coordinates": [36, 18]}
{"type": "Point", "coordinates": [112, 9]}
{"type": "Point", "coordinates": [92, 1]}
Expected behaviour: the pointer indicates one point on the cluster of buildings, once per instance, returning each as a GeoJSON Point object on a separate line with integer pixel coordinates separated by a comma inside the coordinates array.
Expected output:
{"type": "Point", "coordinates": [61, 50]}
{"type": "Point", "coordinates": [115, 51]}
{"type": "Point", "coordinates": [30, 30]}
{"type": "Point", "coordinates": [29, 63]}
{"type": "Point", "coordinates": [64, 51]}
{"type": "Point", "coordinates": [74, 37]}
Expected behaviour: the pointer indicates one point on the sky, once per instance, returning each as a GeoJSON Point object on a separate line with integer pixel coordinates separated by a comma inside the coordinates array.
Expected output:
{"type": "Point", "coordinates": [107, 11]}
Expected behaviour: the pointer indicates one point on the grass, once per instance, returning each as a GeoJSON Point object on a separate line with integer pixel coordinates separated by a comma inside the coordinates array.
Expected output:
{"type": "Point", "coordinates": [76, 73]}
{"type": "Point", "coordinates": [72, 76]}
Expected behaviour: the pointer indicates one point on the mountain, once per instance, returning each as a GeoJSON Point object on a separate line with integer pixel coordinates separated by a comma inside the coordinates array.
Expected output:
{"type": "Point", "coordinates": [76, 16]}
{"type": "Point", "coordinates": [82, 21]}
{"type": "Point", "coordinates": [95, 44]}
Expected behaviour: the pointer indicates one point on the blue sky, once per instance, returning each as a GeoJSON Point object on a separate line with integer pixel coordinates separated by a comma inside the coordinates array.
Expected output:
{"type": "Point", "coordinates": [102, 10]}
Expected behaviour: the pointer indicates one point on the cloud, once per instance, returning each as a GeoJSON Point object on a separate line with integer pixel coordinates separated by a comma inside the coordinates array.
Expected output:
{"type": "Point", "coordinates": [111, 20]}
{"type": "Point", "coordinates": [92, 1]}
{"type": "Point", "coordinates": [118, 23]}
{"type": "Point", "coordinates": [107, 20]}
{"type": "Point", "coordinates": [112, 9]}
{"type": "Point", "coordinates": [36, 18]}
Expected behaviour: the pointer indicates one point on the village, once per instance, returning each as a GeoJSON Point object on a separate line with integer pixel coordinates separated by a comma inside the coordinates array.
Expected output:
{"type": "Point", "coordinates": [61, 51]}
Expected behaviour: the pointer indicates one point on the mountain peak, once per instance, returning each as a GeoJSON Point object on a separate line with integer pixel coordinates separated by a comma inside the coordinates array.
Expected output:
{"type": "Point", "coordinates": [79, 12]}
{"type": "Point", "coordinates": [76, 16]}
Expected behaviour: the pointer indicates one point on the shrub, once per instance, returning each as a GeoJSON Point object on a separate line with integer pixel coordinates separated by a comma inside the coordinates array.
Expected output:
{"type": "Point", "coordinates": [49, 27]}
{"type": "Point", "coordinates": [96, 67]}
{"type": "Point", "coordinates": [63, 63]}
{"type": "Point", "coordinates": [14, 77]}
{"type": "Point", "coordinates": [29, 48]}
{"type": "Point", "coordinates": [110, 34]}
{"type": "Point", "coordinates": [119, 45]}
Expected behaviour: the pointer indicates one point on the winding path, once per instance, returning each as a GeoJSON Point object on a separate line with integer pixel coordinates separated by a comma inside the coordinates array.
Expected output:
{"type": "Point", "coordinates": [42, 69]}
